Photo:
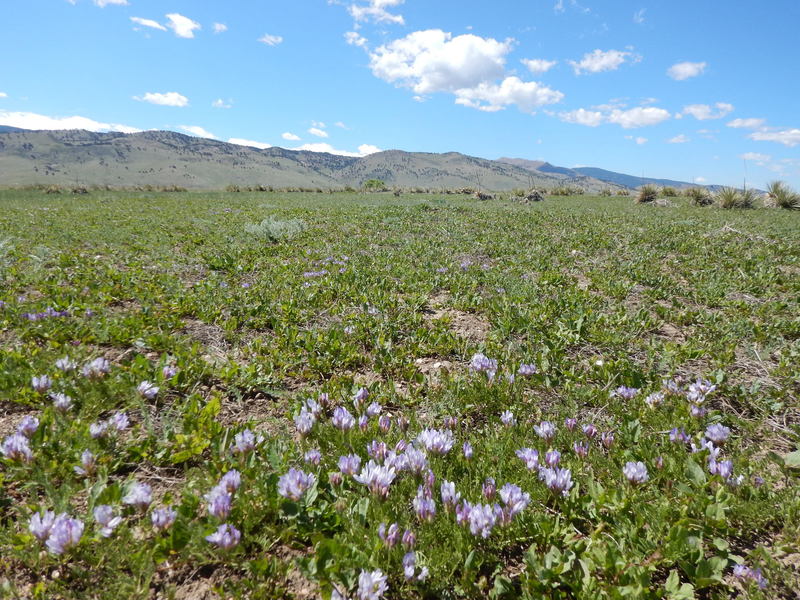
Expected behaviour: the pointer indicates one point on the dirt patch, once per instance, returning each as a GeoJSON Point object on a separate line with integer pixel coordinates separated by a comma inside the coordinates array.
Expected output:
{"type": "Point", "coordinates": [211, 337]}
{"type": "Point", "coordinates": [671, 333]}
{"type": "Point", "coordinates": [466, 325]}
{"type": "Point", "coordinates": [435, 368]}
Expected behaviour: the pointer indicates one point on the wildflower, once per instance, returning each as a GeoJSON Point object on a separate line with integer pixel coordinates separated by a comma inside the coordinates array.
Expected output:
{"type": "Point", "coordinates": [218, 502]}
{"type": "Point", "coordinates": [294, 484]}
{"type": "Point", "coordinates": [557, 480]}
{"type": "Point", "coordinates": [482, 364]}
{"type": "Point", "coordinates": [169, 371]}
{"type": "Point", "coordinates": [16, 447]}
{"type": "Point", "coordinates": [349, 464]}
{"type": "Point", "coordinates": [430, 479]}
{"type": "Point", "coordinates": [467, 450]}
{"type": "Point", "coordinates": [244, 442]}
{"type": "Point", "coordinates": [450, 497]}
{"type": "Point", "coordinates": [28, 426]}
{"type": "Point", "coordinates": [335, 478]}
{"type": "Point", "coordinates": [139, 495]}
{"type": "Point", "coordinates": [723, 468]}
{"type": "Point", "coordinates": [87, 464]}
{"type": "Point", "coordinates": [489, 488]}
{"type": "Point", "coordinates": [359, 397]}
{"type": "Point", "coordinates": [385, 423]}
{"type": "Point", "coordinates": [745, 573]}
{"type": "Point", "coordinates": [342, 419]}
{"type": "Point", "coordinates": [119, 421]}
{"type": "Point", "coordinates": [371, 585]}
{"type": "Point", "coordinates": [581, 449]}
{"type": "Point", "coordinates": [41, 384]}
{"type": "Point", "coordinates": [147, 390]}
{"type": "Point", "coordinates": [552, 458]}
{"type": "Point", "coordinates": [65, 533]}
{"type": "Point", "coordinates": [482, 518]}
{"type": "Point", "coordinates": [225, 537]}
{"type": "Point", "coordinates": [508, 418]}
{"type": "Point", "coordinates": [304, 422]}
{"type": "Point", "coordinates": [414, 460]}
{"type": "Point", "coordinates": [624, 392]}
{"type": "Point", "coordinates": [66, 365]}
{"type": "Point", "coordinates": [408, 540]}
{"type": "Point", "coordinates": [374, 409]}
{"type": "Point", "coordinates": [363, 422]}
{"type": "Point", "coordinates": [403, 424]}
{"type": "Point", "coordinates": [654, 399]}
{"type": "Point", "coordinates": [61, 402]}
{"type": "Point", "coordinates": [545, 430]}
{"type": "Point", "coordinates": [231, 480]}
{"type": "Point", "coordinates": [607, 439]}
{"type": "Point", "coordinates": [514, 499]}
{"type": "Point", "coordinates": [589, 430]}
{"type": "Point", "coordinates": [530, 457]}
{"type": "Point", "coordinates": [450, 422]}
{"type": "Point", "coordinates": [758, 481]}
{"type": "Point", "coordinates": [104, 515]}
{"type": "Point", "coordinates": [526, 370]}
{"type": "Point", "coordinates": [436, 440]}
{"type": "Point", "coordinates": [98, 429]}
{"type": "Point", "coordinates": [659, 462]}
{"type": "Point", "coordinates": [377, 450]}
{"type": "Point", "coordinates": [40, 524]}
{"type": "Point", "coordinates": [699, 390]}
{"type": "Point", "coordinates": [671, 386]}
{"type": "Point", "coordinates": [698, 412]}
{"type": "Point", "coordinates": [313, 457]}
{"type": "Point", "coordinates": [409, 565]}
{"type": "Point", "coordinates": [570, 423]}
{"type": "Point", "coordinates": [678, 435]}
{"type": "Point", "coordinates": [377, 478]}
{"type": "Point", "coordinates": [349, 329]}
{"type": "Point", "coordinates": [389, 536]}
{"type": "Point", "coordinates": [717, 434]}
{"type": "Point", "coordinates": [635, 472]}
{"type": "Point", "coordinates": [96, 369]}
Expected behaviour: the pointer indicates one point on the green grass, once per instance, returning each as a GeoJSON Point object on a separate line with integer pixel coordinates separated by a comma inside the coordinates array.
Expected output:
{"type": "Point", "coordinates": [380, 292]}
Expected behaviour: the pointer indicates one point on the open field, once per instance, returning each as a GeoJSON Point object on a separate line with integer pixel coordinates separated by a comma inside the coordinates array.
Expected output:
{"type": "Point", "coordinates": [379, 306]}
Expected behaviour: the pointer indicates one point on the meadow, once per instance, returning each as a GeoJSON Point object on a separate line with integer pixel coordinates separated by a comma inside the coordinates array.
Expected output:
{"type": "Point", "coordinates": [372, 396]}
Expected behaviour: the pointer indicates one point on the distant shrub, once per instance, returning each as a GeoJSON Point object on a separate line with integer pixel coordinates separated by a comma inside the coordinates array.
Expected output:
{"type": "Point", "coordinates": [647, 193]}
{"type": "Point", "coordinates": [349, 189]}
{"type": "Point", "coordinates": [79, 190]}
{"type": "Point", "coordinates": [699, 196]}
{"type": "Point", "coordinates": [172, 188]}
{"type": "Point", "coordinates": [605, 192]}
{"type": "Point", "coordinates": [233, 188]}
{"type": "Point", "coordinates": [623, 192]}
{"type": "Point", "coordinates": [52, 189]}
{"type": "Point", "coordinates": [669, 192]}
{"type": "Point", "coordinates": [566, 190]}
{"type": "Point", "coordinates": [273, 230]}
{"type": "Point", "coordinates": [374, 185]}
{"type": "Point", "coordinates": [728, 198]}
{"type": "Point", "coordinates": [781, 195]}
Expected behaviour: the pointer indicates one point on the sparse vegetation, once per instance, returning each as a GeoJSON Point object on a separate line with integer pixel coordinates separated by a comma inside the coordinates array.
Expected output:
{"type": "Point", "coordinates": [669, 192]}
{"type": "Point", "coordinates": [782, 196]}
{"type": "Point", "coordinates": [275, 230]}
{"type": "Point", "coordinates": [699, 196]}
{"type": "Point", "coordinates": [647, 194]}
{"type": "Point", "coordinates": [729, 198]}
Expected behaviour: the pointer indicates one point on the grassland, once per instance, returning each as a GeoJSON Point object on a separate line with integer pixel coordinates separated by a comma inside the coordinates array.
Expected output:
{"type": "Point", "coordinates": [617, 311]}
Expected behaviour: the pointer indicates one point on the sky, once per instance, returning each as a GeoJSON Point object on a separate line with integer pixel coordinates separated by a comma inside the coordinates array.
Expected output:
{"type": "Point", "coordinates": [690, 90]}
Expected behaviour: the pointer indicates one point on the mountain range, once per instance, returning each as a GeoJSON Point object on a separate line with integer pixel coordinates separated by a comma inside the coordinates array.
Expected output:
{"type": "Point", "coordinates": [164, 158]}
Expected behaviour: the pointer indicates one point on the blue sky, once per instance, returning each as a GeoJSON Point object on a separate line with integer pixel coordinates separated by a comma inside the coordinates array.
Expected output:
{"type": "Point", "coordinates": [702, 91]}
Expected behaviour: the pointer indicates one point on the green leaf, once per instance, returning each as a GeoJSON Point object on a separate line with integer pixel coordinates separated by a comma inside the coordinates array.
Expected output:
{"type": "Point", "coordinates": [695, 473]}
{"type": "Point", "coordinates": [792, 460]}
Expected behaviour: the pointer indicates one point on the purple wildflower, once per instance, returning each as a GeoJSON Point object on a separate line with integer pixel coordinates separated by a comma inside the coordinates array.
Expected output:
{"type": "Point", "coordinates": [677, 435]}
{"type": "Point", "coordinates": [607, 439]}
{"type": "Point", "coordinates": [28, 426]}
{"type": "Point", "coordinates": [295, 483]}
{"type": "Point", "coordinates": [66, 365]}
{"type": "Point", "coordinates": [467, 450]}
{"type": "Point", "coordinates": [104, 515]}
{"type": "Point", "coordinates": [98, 429]}
{"type": "Point", "coordinates": [570, 423]}
{"type": "Point", "coordinates": [335, 479]}
{"type": "Point", "coordinates": [65, 533]}
{"type": "Point", "coordinates": [530, 457]}
{"type": "Point", "coordinates": [40, 524]}
{"type": "Point", "coordinates": [748, 574]}
{"type": "Point", "coordinates": [231, 480]}
{"type": "Point", "coordinates": [119, 421]}
{"type": "Point", "coordinates": [385, 423]}
{"type": "Point", "coordinates": [377, 478]}
{"type": "Point", "coordinates": [304, 422]}
{"type": "Point", "coordinates": [409, 565]}
{"type": "Point", "coordinates": [508, 419]}
{"type": "Point", "coordinates": [659, 462]}
{"type": "Point", "coordinates": [514, 499]}
{"type": "Point", "coordinates": [244, 442]}
{"type": "Point", "coordinates": [225, 537]}
{"type": "Point", "coordinates": [61, 402]}
{"type": "Point", "coordinates": [436, 440]}
{"type": "Point", "coordinates": [635, 472]}
{"type": "Point", "coordinates": [589, 430]}
{"type": "Point", "coordinates": [409, 540]}
{"type": "Point", "coordinates": [552, 458]}
{"type": "Point", "coordinates": [545, 430]}
{"type": "Point", "coordinates": [450, 497]}
{"type": "Point", "coordinates": [87, 464]}
{"type": "Point", "coordinates": [415, 460]}
{"type": "Point", "coordinates": [363, 422]}
{"type": "Point", "coordinates": [624, 392]}
{"type": "Point", "coordinates": [96, 369]}
{"type": "Point", "coordinates": [349, 464]}
{"type": "Point", "coordinates": [526, 370]}
{"type": "Point", "coordinates": [360, 397]}
{"type": "Point", "coordinates": [654, 399]}
{"type": "Point", "coordinates": [581, 449]}
{"type": "Point", "coordinates": [389, 536]}
{"type": "Point", "coordinates": [219, 502]}
{"type": "Point", "coordinates": [698, 412]}
{"type": "Point", "coordinates": [41, 384]}
{"type": "Point", "coordinates": [139, 495]}
{"type": "Point", "coordinates": [489, 488]}
{"type": "Point", "coordinates": [377, 450]}
{"type": "Point", "coordinates": [557, 480]}
{"type": "Point", "coordinates": [374, 409]}
{"type": "Point", "coordinates": [16, 447]}
{"type": "Point", "coordinates": [371, 585]}
{"type": "Point", "coordinates": [482, 364]}
{"type": "Point", "coordinates": [313, 457]}
{"type": "Point", "coordinates": [147, 390]}
{"type": "Point", "coordinates": [482, 518]}
{"type": "Point", "coordinates": [169, 371]}
{"type": "Point", "coordinates": [342, 419]}
{"type": "Point", "coordinates": [718, 434]}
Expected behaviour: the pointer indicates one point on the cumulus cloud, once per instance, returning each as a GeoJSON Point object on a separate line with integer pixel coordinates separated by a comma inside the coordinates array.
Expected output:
{"type": "Point", "coordinates": [363, 149]}
{"type": "Point", "coordinates": [638, 16]}
{"type": "Point", "coordinates": [490, 97]}
{"type": "Point", "coordinates": [757, 157]}
{"type": "Point", "coordinates": [685, 70]}
{"type": "Point", "coordinates": [183, 27]}
{"type": "Point", "coordinates": [220, 103]}
{"type": "Point", "coordinates": [167, 99]}
{"type": "Point", "coordinates": [251, 143]}
{"type": "Point", "coordinates": [703, 112]}
{"type": "Point", "coordinates": [355, 39]}
{"type": "Point", "coordinates": [27, 120]}
{"type": "Point", "coordinates": [598, 61]}
{"type": "Point", "coordinates": [641, 140]}
{"type": "Point", "coordinates": [220, 28]}
{"type": "Point", "coordinates": [148, 23]}
{"type": "Point", "coordinates": [538, 65]}
{"type": "Point", "coordinates": [787, 137]}
{"type": "Point", "coordinates": [376, 11]}
{"type": "Point", "coordinates": [678, 139]}
{"type": "Point", "coordinates": [638, 117]}
{"type": "Point", "coordinates": [318, 132]}
{"type": "Point", "coordinates": [747, 123]}
{"type": "Point", "coordinates": [3, 95]}
{"type": "Point", "coordinates": [290, 136]}
{"type": "Point", "coordinates": [340, 125]}
{"type": "Point", "coordinates": [104, 3]}
{"type": "Point", "coordinates": [581, 116]}
{"type": "Point", "coordinates": [366, 149]}
{"type": "Point", "coordinates": [198, 131]}
{"type": "Point", "coordinates": [270, 40]}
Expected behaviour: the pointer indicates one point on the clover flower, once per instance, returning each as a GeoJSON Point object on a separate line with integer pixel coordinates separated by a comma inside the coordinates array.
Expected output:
{"type": "Point", "coordinates": [557, 480]}
{"type": "Point", "coordinates": [98, 429]}
{"type": "Point", "coordinates": [104, 515]}
{"type": "Point", "coordinates": [699, 390]}
{"type": "Point", "coordinates": [624, 392]}
{"type": "Point", "coordinates": [508, 419]}
{"type": "Point", "coordinates": [342, 419]}
{"type": "Point", "coordinates": [96, 369]}
{"type": "Point", "coordinates": [529, 456]}
{"type": "Point", "coordinates": [371, 585]}
{"type": "Point", "coordinates": [607, 439]}
{"type": "Point", "coordinates": [552, 458]}
{"type": "Point", "coordinates": [244, 442]}
{"type": "Point", "coordinates": [17, 448]}
{"type": "Point", "coordinates": [377, 450]}
{"type": "Point", "coordinates": [61, 402]}
{"type": "Point", "coordinates": [654, 399]}
{"type": "Point", "coordinates": [450, 497]}
{"type": "Point", "coordinates": [385, 423]}
{"type": "Point", "coordinates": [147, 390]}
{"type": "Point", "coordinates": [480, 363]}
{"type": "Point", "coordinates": [748, 574]}
{"type": "Point", "coordinates": [377, 478]}
{"type": "Point", "coordinates": [374, 409]}
{"type": "Point", "coordinates": [41, 384]}
{"type": "Point", "coordinates": [40, 524]}
{"type": "Point", "coordinates": [304, 422]}
{"type": "Point", "coordinates": [635, 472]}
{"type": "Point", "coordinates": [313, 457]}
{"type": "Point", "coordinates": [436, 440]}
{"type": "Point", "coordinates": [28, 426]}
{"type": "Point", "coordinates": [545, 430]}
{"type": "Point", "coordinates": [409, 565]}
{"type": "Point", "coordinates": [723, 468]}
{"type": "Point", "coordinates": [139, 495]}
{"type": "Point", "coordinates": [169, 371]}
{"type": "Point", "coordinates": [408, 540]}
{"type": "Point", "coordinates": [295, 483]}
{"type": "Point", "coordinates": [65, 533]}
{"type": "Point", "coordinates": [363, 422]}
{"type": "Point", "coordinates": [717, 434]}
{"type": "Point", "coordinates": [231, 481]}
{"type": "Point", "coordinates": [467, 450]}
{"type": "Point", "coordinates": [225, 537]}
{"type": "Point", "coordinates": [526, 370]}
{"type": "Point", "coordinates": [570, 423]}
{"type": "Point", "coordinates": [482, 518]}
{"type": "Point", "coordinates": [312, 406]}
{"type": "Point", "coordinates": [698, 412]}
{"type": "Point", "coordinates": [581, 449]}
{"type": "Point", "coordinates": [489, 488]}
{"type": "Point", "coordinates": [119, 421]}
{"type": "Point", "coordinates": [514, 499]}
{"type": "Point", "coordinates": [359, 397]}
{"type": "Point", "coordinates": [389, 536]}
{"type": "Point", "coordinates": [589, 430]}
{"type": "Point", "coordinates": [349, 464]}
{"type": "Point", "coordinates": [219, 502]}
{"type": "Point", "coordinates": [66, 365]}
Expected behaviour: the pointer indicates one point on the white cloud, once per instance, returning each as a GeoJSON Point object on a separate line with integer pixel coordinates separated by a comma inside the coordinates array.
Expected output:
{"type": "Point", "coordinates": [363, 149]}
{"type": "Point", "coordinates": [699, 179]}
{"type": "Point", "coordinates": [26, 120]}
{"type": "Point", "coordinates": [340, 125]}
{"type": "Point", "coordinates": [638, 117]}
{"type": "Point", "coordinates": [220, 28]}
{"type": "Point", "coordinates": [760, 159]}
{"type": "Point", "coordinates": [538, 65]}
{"type": "Point", "coordinates": [787, 137]}
{"type": "Point", "coordinates": [197, 131]}
{"type": "Point", "coordinates": [678, 139]}
{"type": "Point", "coordinates": [638, 140]}
{"type": "Point", "coordinates": [167, 99]}
{"type": "Point", "coordinates": [148, 23]}
{"type": "Point", "coordinates": [685, 70]}
{"type": "Point", "coordinates": [598, 61]}
{"type": "Point", "coordinates": [703, 112]}
{"type": "Point", "coordinates": [182, 26]}
{"type": "Point", "coordinates": [581, 116]}
{"type": "Point", "coordinates": [220, 103]}
{"type": "Point", "coordinates": [319, 124]}
{"type": "Point", "coordinates": [638, 16]}
{"type": "Point", "coordinates": [435, 61]}
{"type": "Point", "coordinates": [3, 95]}
{"type": "Point", "coordinates": [318, 132]}
{"type": "Point", "coordinates": [355, 39]}
{"type": "Point", "coordinates": [375, 11]}
{"type": "Point", "coordinates": [490, 97]}
{"type": "Point", "coordinates": [747, 123]}
{"type": "Point", "coordinates": [290, 136]}
{"type": "Point", "coordinates": [104, 3]}
{"type": "Point", "coordinates": [251, 143]}
{"type": "Point", "coordinates": [270, 40]}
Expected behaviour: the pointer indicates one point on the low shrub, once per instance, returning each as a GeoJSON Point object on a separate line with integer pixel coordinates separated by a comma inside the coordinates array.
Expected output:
{"type": "Point", "coordinates": [274, 230]}
{"type": "Point", "coordinates": [781, 195]}
{"type": "Point", "coordinates": [647, 193]}
{"type": "Point", "coordinates": [699, 196]}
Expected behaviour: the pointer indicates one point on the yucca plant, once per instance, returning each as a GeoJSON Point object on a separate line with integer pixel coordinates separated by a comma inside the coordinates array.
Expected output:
{"type": "Point", "coordinates": [647, 193]}
{"type": "Point", "coordinates": [669, 192]}
{"type": "Point", "coordinates": [728, 197]}
{"type": "Point", "coordinates": [782, 196]}
{"type": "Point", "coordinates": [747, 198]}
{"type": "Point", "coordinates": [699, 196]}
